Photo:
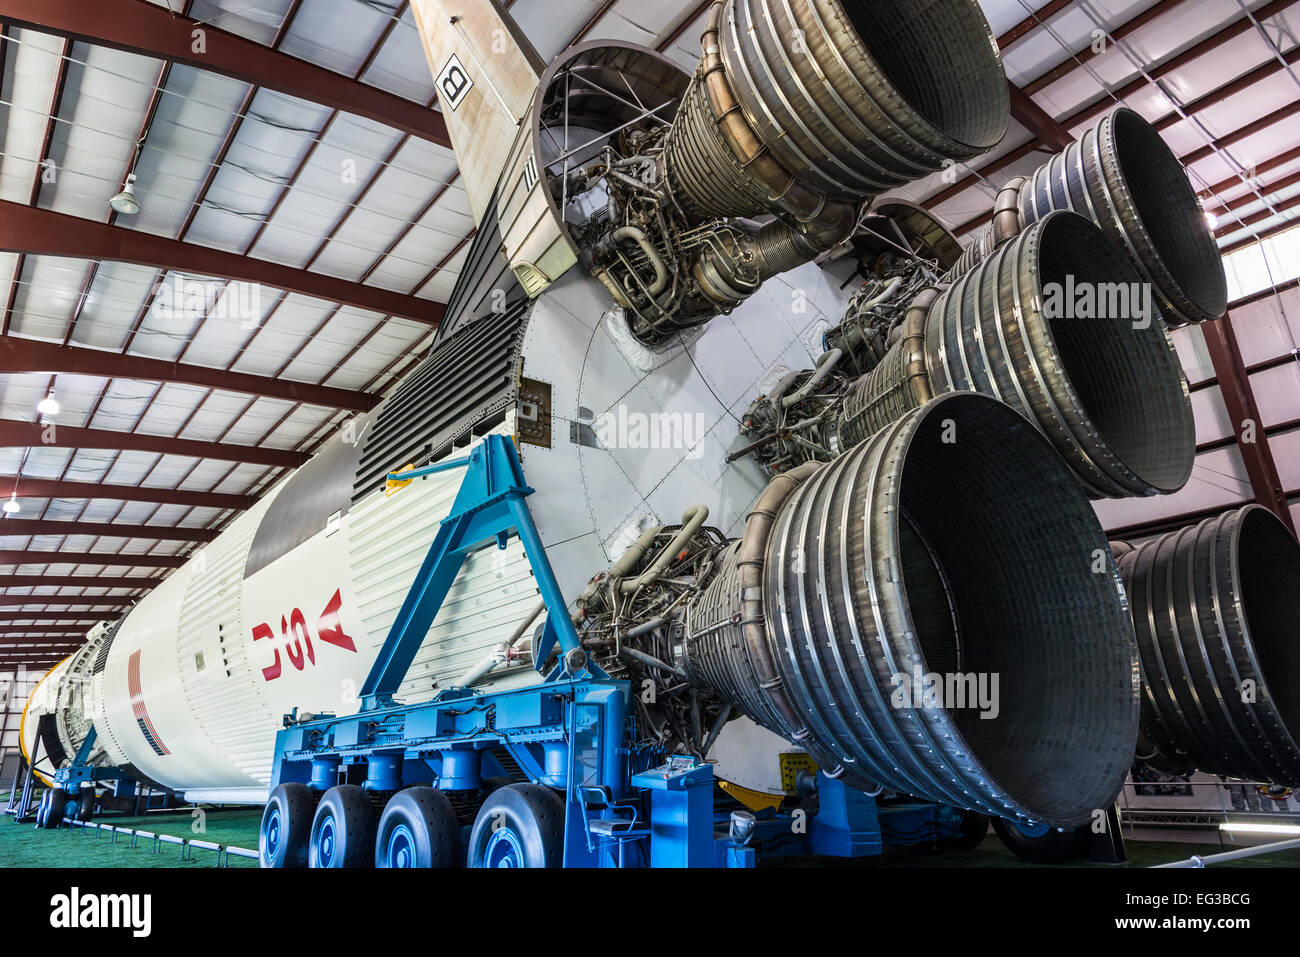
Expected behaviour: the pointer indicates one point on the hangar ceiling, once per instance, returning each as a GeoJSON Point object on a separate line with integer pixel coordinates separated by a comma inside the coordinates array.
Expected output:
{"type": "Point", "coordinates": [302, 223]}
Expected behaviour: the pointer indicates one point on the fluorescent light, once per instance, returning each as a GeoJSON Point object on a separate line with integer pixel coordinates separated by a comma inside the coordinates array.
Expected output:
{"type": "Point", "coordinates": [1261, 828]}
{"type": "Point", "coordinates": [12, 507]}
{"type": "Point", "coordinates": [48, 405]}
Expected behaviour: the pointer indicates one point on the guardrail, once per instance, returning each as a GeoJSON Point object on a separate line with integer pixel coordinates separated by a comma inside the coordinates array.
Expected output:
{"type": "Point", "coordinates": [156, 841]}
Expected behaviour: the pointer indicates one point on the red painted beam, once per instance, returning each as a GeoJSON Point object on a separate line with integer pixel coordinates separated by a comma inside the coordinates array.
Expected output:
{"type": "Point", "coordinates": [33, 434]}
{"type": "Point", "coordinates": [1094, 49]}
{"type": "Point", "coordinates": [1161, 70]}
{"type": "Point", "coordinates": [1234, 383]}
{"type": "Point", "coordinates": [1254, 238]}
{"type": "Point", "coordinates": [42, 618]}
{"type": "Point", "coordinates": [1037, 121]}
{"type": "Point", "coordinates": [149, 30]}
{"type": "Point", "coordinates": [52, 488]}
{"type": "Point", "coordinates": [29, 355]}
{"type": "Point", "coordinates": [76, 581]}
{"type": "Point", "coordinates": [25, 229]}
{"type": "Point", "coordinates": [1031, 23]}
{"type": "Point", "coordinates": [95, 601]}
{"type": "Point", "coordinates": [169, 533]}
{"type": "Point", "coordinates": [1235, 224]}
{"type": "Point", "coordinates": [17, 557]}
{"type": "Point", "coordinates": [14, 631]}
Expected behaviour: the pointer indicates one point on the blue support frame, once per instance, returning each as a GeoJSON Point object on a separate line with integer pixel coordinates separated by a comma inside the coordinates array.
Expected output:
{"type": "Point", "coordinates": [662, 817]}
{"type": "Point", "coordinates": [490, 505]}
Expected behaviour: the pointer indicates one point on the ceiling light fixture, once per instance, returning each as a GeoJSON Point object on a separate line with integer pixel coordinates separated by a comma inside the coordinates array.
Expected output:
{"type": "Point", "coordinates": [125, 202]}
{"type": "Point", "coordinates": [12, 507]}
{"type": "Point", "coordinates": [48, 405]}
{"type": "Point", "coordinates": [1212, 219]}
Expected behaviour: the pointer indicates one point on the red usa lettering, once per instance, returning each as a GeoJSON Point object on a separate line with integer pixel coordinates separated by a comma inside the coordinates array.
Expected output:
{"type": "Point", "coordinates": [296, 637]}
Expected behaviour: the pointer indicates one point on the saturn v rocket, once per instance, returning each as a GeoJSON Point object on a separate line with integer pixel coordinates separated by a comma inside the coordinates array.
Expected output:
{"type": "Point", "coordinates": [656, 252]}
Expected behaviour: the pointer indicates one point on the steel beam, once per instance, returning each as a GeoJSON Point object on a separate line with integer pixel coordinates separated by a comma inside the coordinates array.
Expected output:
{"type": "Point", "coordinates": [1101, 104]}
{"type": "Point", "coordinates": [76, 581]}
{"type": "Point", "coordinates": [25, 229]}
{"type": "Point", "coordinates": [33, 434]}
{"type": "Point", "coordinates": [1234, 383]}
{"type": "Point", "coordinates": [1161, 70]}
{"type": "Point", "coordinates": [15, 557]}
{"type": "Point", "coordinates": [154, 31]}
{"type": "Point", "coordinates": [52, 488]}
{"type": "Point", "coordinates": [50, 618]}
{"type": "Point", "coordinates": [29, 355]}
{"type": "Point", "coordinates": [168, 533]}
{"type": "Point", "coordinates": [1036, 120]}
{"type": "Point", "coordinates": [1162, 526]}
{"type": "Point", "coordinates": [97, 601]}
{"type": "Point", "coordinates": [14, 631]}
{"type": "Point", "coordinates": [1032, 22]}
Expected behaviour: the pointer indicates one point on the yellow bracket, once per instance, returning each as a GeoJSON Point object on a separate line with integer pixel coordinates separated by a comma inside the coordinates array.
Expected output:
{"type": "Point", "coordinates": [392, 485]}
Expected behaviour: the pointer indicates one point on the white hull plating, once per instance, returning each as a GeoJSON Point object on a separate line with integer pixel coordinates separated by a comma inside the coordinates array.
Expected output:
{"type": "Point", "coordinates": [199, 676]}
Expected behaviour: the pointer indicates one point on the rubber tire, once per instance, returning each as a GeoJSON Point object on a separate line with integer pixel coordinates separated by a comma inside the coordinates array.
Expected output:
{"type": "Point", "coordinates": [534, 817]}
{"type": "Point", "coordinates": [347, 816]}
{"type": "Point", "coordinates": [974, 828]}
{"type": "Point", "coordinates": [294, 803]}
{"type": "Point", "coordinates": [53, 809]}
{"type": "Point", "coordinates": [43, 815]}
{"type": "Point", "coordinates": [1054, 847]}
{"type": "Point", "coordinates": [86, 805]}
{"type": "Point", "coordinates": [432, 837]}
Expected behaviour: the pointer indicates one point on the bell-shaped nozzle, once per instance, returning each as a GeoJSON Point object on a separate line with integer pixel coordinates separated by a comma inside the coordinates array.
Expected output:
{"type": "Point", "coordinates": [1058, 324]}
{"type": "Point", "coordinates": [935, 613]}
{"type": "Point", "coordinates": [807, 107]}
{"type": "Point", "coordinates": [1123, 176]}
{"type": "Point", "coordinates": [1216, 607]}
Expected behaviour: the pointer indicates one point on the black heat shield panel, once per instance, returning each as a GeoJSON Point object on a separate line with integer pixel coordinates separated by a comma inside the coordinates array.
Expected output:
{"type": "Point", "coordinates": [469, 383]}
{"type": "Point", "coordinates": [486, 283]}
{"type": "Point", "coordinates": [312, 496]}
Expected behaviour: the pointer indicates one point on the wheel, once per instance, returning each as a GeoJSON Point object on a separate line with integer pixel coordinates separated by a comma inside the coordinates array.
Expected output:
{"type": "Point", "coordinates": [974, 828]}
{"type": "Point", "coordinates": [86, 804]}
{"type": "Point", "coordinates": [1054, 847]}
{"type": "Point", "coordinates": [50, 813]}
{"type": "Point", "coordinates": [418, 829]}
{"type": "Point", "coordinates": [343, 830]}
{"type": "Point", "coordinates": [41, 808]}
{"type": "Point", "coordinates": [520, 825]}
{"type": "Point", "coordinates": [286, 826]}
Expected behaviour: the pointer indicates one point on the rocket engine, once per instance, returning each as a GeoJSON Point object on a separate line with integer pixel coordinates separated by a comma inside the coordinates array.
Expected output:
{"type": "Point", "coordinates": [901, 527]}
{"type": "Point", "coordinates": [1059, 316]}
{"type": "Point", "coordinates": [854, 580]}
{"type": "Point", "coordinates": [799, 112]}
{"type": "Point", "coordinates": [1216, 607]}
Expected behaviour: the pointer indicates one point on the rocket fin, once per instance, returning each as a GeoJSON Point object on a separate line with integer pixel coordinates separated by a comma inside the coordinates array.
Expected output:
{"type": "Point", "coordinates": [485, 72]}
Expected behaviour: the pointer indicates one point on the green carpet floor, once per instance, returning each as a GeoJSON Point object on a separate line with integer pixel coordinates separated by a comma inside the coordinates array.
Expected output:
{"type": "Point", "coordinates": [23, 845]}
